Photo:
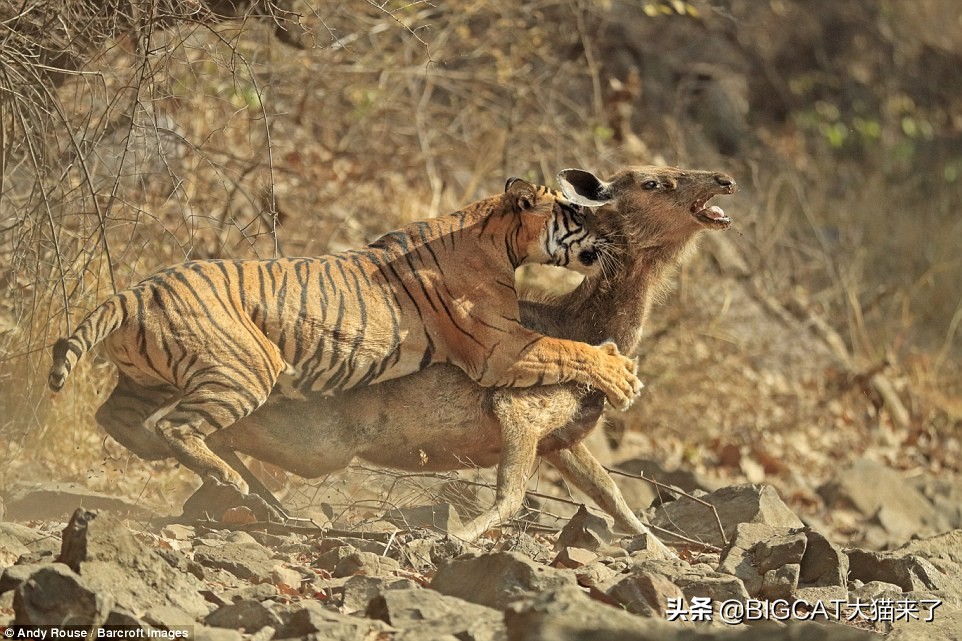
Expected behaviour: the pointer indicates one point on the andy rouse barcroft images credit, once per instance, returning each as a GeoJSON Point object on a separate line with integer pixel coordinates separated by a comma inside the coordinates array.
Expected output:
{"type": "Point", "coordinates": [45, 632]}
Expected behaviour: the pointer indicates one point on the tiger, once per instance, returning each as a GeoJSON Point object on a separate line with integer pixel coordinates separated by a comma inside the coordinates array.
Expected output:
{"type": "Point", "coordinates": [202, 344]}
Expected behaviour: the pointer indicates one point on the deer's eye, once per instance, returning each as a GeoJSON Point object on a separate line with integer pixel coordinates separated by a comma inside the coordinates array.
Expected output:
{"type": "Point", "coordinates": [650, 184]}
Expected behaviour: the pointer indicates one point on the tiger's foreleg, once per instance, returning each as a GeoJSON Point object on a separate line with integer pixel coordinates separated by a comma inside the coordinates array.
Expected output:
{"type": "Point", "coordinates": [546, 361]}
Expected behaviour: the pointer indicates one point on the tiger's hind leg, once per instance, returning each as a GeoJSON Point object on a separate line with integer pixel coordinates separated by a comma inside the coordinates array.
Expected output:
{"type": "Point", "coordinates": [125, 416]}
{"type": "Point", "coordinates": [218, 400]}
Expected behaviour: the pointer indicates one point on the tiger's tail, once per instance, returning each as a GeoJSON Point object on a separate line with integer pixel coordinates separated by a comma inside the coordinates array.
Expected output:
{"type": "Point", "coordinates": [98, 325]}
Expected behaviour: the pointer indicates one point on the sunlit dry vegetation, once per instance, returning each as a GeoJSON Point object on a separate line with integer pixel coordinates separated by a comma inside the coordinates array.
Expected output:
{"type": "Point", "coordinates": [169, 135]}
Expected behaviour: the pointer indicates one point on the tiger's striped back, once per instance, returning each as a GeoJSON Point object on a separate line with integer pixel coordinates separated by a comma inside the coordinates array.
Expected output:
{"type": "Point", "coordinates": [323, 313]}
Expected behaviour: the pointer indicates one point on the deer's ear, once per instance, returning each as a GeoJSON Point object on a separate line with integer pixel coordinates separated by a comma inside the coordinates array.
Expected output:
{"type": "Point", "coordinates": [584, 188]}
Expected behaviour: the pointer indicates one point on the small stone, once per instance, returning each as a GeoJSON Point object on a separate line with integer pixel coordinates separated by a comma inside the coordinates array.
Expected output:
{"type": "Point", "coordinates": [823, 564]}
{"type": "Point", "coordinates": [780, 583]}
{"type": "Point", "coordinates": [286, 580]}
{"type": "Point", "coordinates": [493, 580]}
{"type": "Point", "coordinates": [56, 595]}
{"type": "Point", "coordinates": [586, 530]}
{"type": "Point", "coordinates": [758, 551]}
{"type": "Point", "coordinates": [909, 572]}
{"type": "Point", "coordinates": [248, 560]}
{"type": "Point", "coordinates": [313, 619]}
{"type": "Point", "coordinates": [248, 616]}
{"type": "Point", "coordinates": [734, 504]}
{"type": "Point", "coordinates": [571, 558]}
{"type": "Point", "coordinates": [359, 590]}
{"type": "Point", "coordinates": [366, 563]}
{"type": "Point", "coordinates": [644, 593]}
{"type": "Point", "coordinates": [435, 615]}
{"type": "Point", "coordinates": [178, 532]}
{"type": "Point", "coordinates": [329, 559]}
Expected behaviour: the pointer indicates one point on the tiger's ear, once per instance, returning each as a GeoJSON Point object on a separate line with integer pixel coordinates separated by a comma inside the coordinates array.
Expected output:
{"type": "Point", "coordinates": [521, 194]}
{"type": "Point", "coordinates": [584, 188]}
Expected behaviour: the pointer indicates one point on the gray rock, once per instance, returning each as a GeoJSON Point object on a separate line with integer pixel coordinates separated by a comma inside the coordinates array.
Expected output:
{"type": "Point", "coordinates": [311, 618]}
{"type": "Point", "coordinates": [876, 491]}
{"type": "Point", "coordinates": [708, 583]}
{"type": "Point", "coordinates": [248, 592]}
{"type": "Point", "coordinates": [433, 614]}
{"type": "Point", "coordinates": [643, 593]}
{"type": "Point", "coordinates": [573, 558]}
{"type": "Point", "coordinates": [329, 559]}
{"type": "Point", "coordinates": [441, 517]}
{"type": "Point", "coordinates": [56, 502]}
{"type": "Point", "coordinates": [699, 580]}
{"type": "Point", "coordinates": [248, 616]}
{"type": "Point", "coordinates": [248, 560]}
{"type": "Point", "coordinates": [119, 616]}
{"type": "Point", "coordinates": [15, 575]}
{"type": "Point", "coordinates": [568, 614]}
{"type": "Point", "coordinates": [945, 626]}
{"type": "Point", "coordinates": [873, 590]}
{"type": "Point", "coordinates": [824, 570]}
{"type": "Point", "coordinates": [586, 530]}
{"type": "Point", "coordinates": [366, 563]}
{"type": "Point", "coordinates": [735, 504]}
{"type": "Point", "coordinates": [766, 559]}
{"type": "Point", "coordinates": [527, 545]}
{"type": "Point", "coordinates": [18, 540]}
{"type": "Point", "coordinates": [56, 595]}
{"type": "Point", "coordinates": [165, 616]}
{"type": "Point", "coordinates": [112, 561]}
{"type": "Point", "coordinates": [494, 580]}
{"type": "Point", "coordinates": [780, 583]}
{"type": "Point", "coordinates": [360, 590]}
{"type": "Point", "coordinates": [909, 572]}
{"type": "Point", "coordinates": [944, 550]}
{"type": "Point", "coordinates": [205, 633]}
{"type": "Point", "coordinates": [783, 549]}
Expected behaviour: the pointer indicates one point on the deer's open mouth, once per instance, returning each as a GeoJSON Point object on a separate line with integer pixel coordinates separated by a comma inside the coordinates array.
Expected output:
{"type": "Point", "coordinates": [711, 216]}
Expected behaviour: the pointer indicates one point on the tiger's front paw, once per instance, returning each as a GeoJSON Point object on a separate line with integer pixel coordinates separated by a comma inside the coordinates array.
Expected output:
{"type": "Point", "coordinates": [621, 385]}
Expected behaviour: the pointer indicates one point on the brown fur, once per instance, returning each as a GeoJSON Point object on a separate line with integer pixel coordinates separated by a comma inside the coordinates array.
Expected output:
{"type": "Point", "coordinates": [202, 345]}
{"type": "Point", "coordinates": [439, 419]}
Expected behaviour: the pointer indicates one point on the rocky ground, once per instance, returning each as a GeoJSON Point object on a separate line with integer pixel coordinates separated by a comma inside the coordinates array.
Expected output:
{"type": "Point", "coordinates": [755, 561]}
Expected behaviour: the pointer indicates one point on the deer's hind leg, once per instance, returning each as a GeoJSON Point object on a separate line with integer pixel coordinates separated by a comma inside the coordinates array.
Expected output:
{"type": "Point", "coordinates": [126, 413]}
{"type": "Point", "coordinates": [579, 467]}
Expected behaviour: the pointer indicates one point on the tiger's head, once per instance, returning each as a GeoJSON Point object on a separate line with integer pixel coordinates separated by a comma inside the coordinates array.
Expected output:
{"type": "Point", "coordinates": [567, 237]}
